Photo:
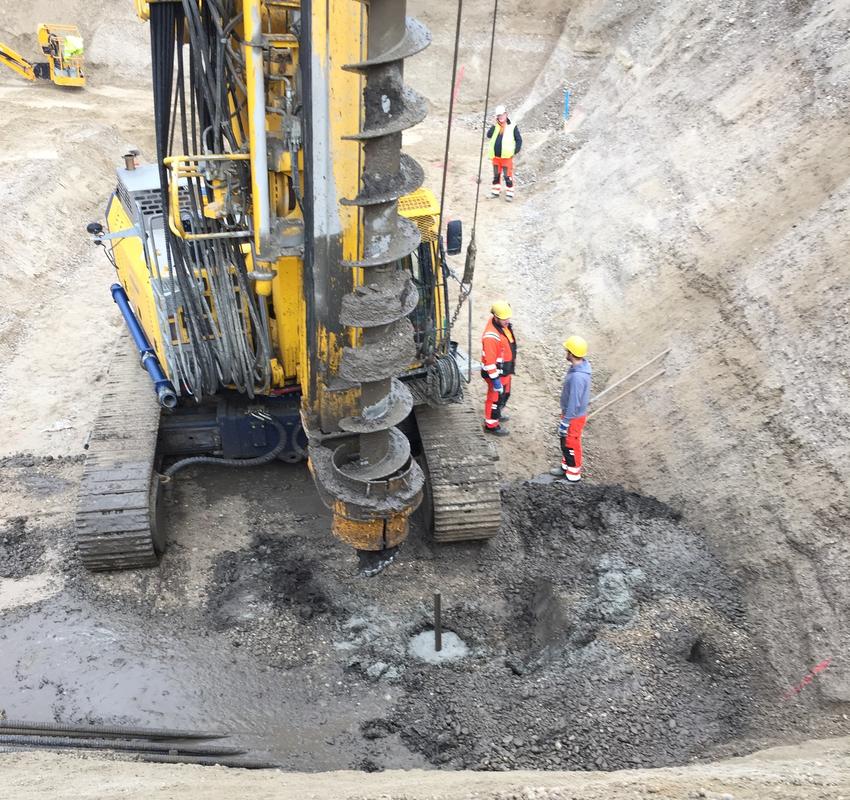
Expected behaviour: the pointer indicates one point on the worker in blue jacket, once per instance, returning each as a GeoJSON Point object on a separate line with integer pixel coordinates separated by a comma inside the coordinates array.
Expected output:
{"type": "Point", "coordinates": [575, 396]}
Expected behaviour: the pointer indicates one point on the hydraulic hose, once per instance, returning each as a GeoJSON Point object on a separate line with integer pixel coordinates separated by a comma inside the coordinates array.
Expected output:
{"type": "Point", "coordinates": [10, 726]}
{"type": "Point", "coordinates": [164, 388]}
{"type": "Point", "coordinates": [233, 462]}
{"type": "Point", "coordinates": [165, 748]}
{"type": "Point", "coordinates": [207, 761]}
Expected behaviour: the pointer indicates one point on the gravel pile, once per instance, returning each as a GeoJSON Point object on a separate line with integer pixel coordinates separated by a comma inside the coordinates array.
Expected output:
{"type": "Point", "coordinates": [618, 642]}
{"type": "Point", "coordinates": [602, 634]}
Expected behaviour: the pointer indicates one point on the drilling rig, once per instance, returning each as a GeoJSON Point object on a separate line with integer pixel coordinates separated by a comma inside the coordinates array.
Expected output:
{"type": "Point", "coordinates": [282, 275]}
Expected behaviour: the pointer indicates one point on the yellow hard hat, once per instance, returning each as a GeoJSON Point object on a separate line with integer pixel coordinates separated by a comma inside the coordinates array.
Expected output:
{"type": "Point", "coordinates": [501, 309]}
{"type": "Point", "coordinates": [577, 346]}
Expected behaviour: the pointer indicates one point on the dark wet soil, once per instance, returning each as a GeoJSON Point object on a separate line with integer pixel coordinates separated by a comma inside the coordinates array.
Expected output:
{"type": "Point", "coordinates": [21, 552]}
{"type": "Point", "coordinates": [602, 632]}
{"type": "Point", "coordinates": [617, 641]}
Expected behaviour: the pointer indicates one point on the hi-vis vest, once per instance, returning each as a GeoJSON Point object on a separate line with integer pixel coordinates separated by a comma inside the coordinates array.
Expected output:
{"type": "Point", "coordinates": [508, 141]}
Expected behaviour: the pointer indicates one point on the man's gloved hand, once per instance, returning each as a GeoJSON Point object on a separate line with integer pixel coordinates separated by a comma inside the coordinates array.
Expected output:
{"type": "Point", "coordinates": [563, 427]}
{"type": "Point", "coordinates": [497, 385]}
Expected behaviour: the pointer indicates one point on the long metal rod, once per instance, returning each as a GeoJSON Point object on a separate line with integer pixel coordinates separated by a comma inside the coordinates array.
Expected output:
{"type": "Point", "coordinates": [438, 623]}
{"type": "Point", "coordinates": [627, 392]}
{"type": "Point", "coordinates": [256, 86]}
{"type": "Point", "coordinates": [633, 372]}
{"type": "Point", "coordinates": [78, 743]}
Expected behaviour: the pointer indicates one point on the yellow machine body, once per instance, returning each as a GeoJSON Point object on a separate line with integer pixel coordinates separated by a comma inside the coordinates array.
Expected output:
{"type": "Point", "coordinates": [16, 62]}
{"type": "Point", "coordinates": [300, 272]}
{"type": "Point", "coordinates": [63, 46]}
{"type": "Point", "coordinates": [285, 288]}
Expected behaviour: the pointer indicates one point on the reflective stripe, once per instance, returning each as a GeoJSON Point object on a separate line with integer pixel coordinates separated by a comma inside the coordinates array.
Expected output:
{"type": "Point", "coordinates": [573, 478]}
{"type": "Point", "coordinates": [493, 375]}
{"type": "Point", "coordinates": [491, 335]}
{"type": "Point", "coordinates": [573, 470]}
{"type": "Point", "coordinates": [488, 367]}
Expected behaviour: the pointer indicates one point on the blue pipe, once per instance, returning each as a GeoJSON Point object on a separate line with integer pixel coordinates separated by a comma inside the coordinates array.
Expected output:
{"type": "Point", "coordinates": [165, 392]}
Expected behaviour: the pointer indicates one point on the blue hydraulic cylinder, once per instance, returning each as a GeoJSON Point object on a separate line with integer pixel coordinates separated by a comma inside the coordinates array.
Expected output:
{"type": "Point", "coordinates": [165, 392]}
{"type": "Point", "coordinates": [566, 104]}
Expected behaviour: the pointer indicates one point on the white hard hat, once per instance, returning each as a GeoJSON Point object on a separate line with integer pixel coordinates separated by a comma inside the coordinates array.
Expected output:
{"type": "Point", "coordinates": [500, 110]}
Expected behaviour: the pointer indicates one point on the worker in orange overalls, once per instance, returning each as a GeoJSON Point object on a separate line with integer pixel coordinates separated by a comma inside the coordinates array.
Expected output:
{"type": "Point", "coordinates": [498, 354]}
{"type": "Point", "coordinates": [575, 396]}
{"type": "Point", "coordinates": [505, 143]}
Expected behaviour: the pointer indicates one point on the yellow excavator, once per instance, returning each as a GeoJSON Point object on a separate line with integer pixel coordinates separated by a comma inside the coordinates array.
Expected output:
{"type": "Point", "coordinates": [63, 46]}
{"type": "Point", "coordinates": [284, 283]}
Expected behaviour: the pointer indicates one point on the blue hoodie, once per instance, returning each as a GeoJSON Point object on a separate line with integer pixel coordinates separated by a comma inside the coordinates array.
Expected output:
{"type": "Point", "coordinates": [576, 392]}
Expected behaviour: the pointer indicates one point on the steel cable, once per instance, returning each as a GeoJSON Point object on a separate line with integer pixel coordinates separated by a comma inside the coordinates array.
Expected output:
{"type": "Point", "coordinates": [472, 248]}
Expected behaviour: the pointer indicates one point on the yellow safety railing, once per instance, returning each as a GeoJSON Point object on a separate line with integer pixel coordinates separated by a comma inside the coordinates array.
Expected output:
{"type": "Point", "coordinates": [187, 167]}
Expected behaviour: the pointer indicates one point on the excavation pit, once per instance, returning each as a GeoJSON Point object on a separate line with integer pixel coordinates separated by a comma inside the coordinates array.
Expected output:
{"type": "Point", "coordinates": [423, 647]}
{"type": "Point", "coordinates": [573, 640]}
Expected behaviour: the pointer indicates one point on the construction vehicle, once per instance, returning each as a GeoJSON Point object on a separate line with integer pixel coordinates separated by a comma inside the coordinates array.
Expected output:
{"type": "Point", "coordinates": [63, 46]}
{"type": "Point", "coordinates": [283, 277]}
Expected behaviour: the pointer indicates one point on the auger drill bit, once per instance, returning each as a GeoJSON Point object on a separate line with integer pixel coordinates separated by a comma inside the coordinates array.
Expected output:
{"type": "Point", "coordinates": [376, 484]}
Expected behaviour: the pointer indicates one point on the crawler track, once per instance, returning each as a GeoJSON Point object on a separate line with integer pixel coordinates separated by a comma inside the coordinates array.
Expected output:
{"type": "Point", "coordinates": [464, 481]}
{"type": "Point", "coordinates": [116, 509]}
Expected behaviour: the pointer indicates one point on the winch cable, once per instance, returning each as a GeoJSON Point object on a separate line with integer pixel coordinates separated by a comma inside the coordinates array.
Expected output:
{"type": "Point", "coordinates": [451, 113]}
{"type": "Point", "coordinates": [471, 249]}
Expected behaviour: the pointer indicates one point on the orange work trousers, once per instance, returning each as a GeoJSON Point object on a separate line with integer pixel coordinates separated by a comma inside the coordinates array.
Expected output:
{"type": "Point", "coordinates": [495, 402]}
{"type": "Point", "coordinates": [571, 449]}
{"type": "Point", "coordinates": [506, 166]}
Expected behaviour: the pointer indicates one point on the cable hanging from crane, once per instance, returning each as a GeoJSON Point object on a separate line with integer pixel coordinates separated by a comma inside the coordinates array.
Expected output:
{"type": "Point", "coordinates": [471, 250]}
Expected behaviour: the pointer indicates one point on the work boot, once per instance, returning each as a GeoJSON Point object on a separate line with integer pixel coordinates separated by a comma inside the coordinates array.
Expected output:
{"type": "Point", "coordinates": [557, 472]}
{"type": "Point", "coordinates": [504, 418]}
{"type": "Point", "coordinates": [496, 431]}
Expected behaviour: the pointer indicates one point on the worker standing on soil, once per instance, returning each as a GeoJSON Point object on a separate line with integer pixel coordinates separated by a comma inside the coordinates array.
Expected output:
{"type": "Point", "coordinates": [575, 396]}
{"type": "Point", "coordinates": [498, 354]}
{"type": "Point", "coordinates": [505, 143]}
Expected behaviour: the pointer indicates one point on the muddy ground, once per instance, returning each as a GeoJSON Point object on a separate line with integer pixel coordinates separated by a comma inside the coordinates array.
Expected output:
{"type": "Point", "coordinates": [602, 633]}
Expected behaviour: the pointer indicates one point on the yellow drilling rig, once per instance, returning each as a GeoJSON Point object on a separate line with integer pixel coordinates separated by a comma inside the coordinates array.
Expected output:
{"type": "Point", "coordinates": [63, 46]}
{"type": "Point", "coordinates": [284, 282]}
